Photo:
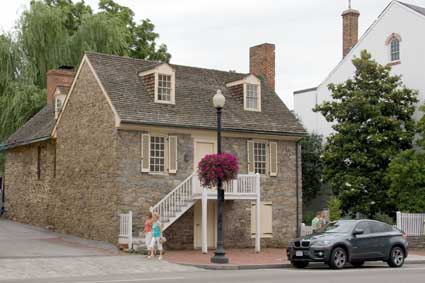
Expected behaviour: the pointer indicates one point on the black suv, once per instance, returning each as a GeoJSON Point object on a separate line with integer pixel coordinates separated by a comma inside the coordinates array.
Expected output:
{"type": "Point", "coordinates": [353, 241]}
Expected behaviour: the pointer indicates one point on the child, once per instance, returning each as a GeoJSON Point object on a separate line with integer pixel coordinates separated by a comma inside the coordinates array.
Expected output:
{"type": "Point", "coordinates": [156, 236]}
{"type": "Point", "coordinates": [148, 231]}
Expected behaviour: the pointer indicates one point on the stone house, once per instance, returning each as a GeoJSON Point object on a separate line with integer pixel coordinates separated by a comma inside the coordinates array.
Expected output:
{"type": "Point", "coordinates": [121, 134]}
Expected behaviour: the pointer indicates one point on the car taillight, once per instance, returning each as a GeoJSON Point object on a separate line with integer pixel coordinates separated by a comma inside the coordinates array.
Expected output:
{"type": "Point", "coordinates": [404, 236]}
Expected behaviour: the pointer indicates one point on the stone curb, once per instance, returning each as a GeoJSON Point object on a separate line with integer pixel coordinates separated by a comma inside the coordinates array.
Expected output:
{"type": "Point", "coordinates": [262, 266]}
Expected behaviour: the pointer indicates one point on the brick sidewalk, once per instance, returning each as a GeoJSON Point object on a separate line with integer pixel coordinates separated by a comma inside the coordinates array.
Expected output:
{"type": "Point", "coordinates": [247, 257]}
{"type": "Point", "coordinates": [236, 257]}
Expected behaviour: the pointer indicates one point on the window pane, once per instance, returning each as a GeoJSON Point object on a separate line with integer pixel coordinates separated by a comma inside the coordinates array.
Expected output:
{"type": "Point", "coordinates": [164, 87]}
{"type": "Point", "coordinates": [395, 50]}
{"type": "Point", "coordinates": [157, 158]}
{"type": "Point", "coordinates": [260, 157]}
{"type": "Point", "coordinates": [251, 96]}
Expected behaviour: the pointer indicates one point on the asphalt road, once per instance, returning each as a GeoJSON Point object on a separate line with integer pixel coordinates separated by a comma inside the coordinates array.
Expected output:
{"type": "Point", "coordinates": [376, 273]}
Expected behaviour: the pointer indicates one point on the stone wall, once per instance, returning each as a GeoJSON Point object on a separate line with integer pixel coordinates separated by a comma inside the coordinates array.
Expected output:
{"type": "Point", "coordinates": [139, 191]}
{"type": "Point", "coordinates": [86, 194]}
{"type": "Point", "coordinates": [28, 198]}
{"type": "Point", "coordinates": [280, 190]}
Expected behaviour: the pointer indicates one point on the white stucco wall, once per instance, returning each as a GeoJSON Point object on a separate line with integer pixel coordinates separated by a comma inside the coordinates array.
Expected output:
{"type": "Point", "coordinates": [397, 18]}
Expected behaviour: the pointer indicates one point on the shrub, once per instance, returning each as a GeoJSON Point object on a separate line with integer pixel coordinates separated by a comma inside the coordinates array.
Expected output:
{"type": "Point", "coordinates": [335, 212]}
{"type": "Point", "coordinates": [384, 218]}
{"type": "Point", "coordinates": [215, 167]}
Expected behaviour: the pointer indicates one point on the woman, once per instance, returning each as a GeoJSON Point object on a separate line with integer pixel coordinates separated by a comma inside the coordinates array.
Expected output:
{"type": "Point", "coordinates": [156, 236]}
{"type": "Point", "coordinates": [148, 231]}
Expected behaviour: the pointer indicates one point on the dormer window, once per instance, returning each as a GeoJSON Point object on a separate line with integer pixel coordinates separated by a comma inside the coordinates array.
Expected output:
{"type": "Point", "coordinates": [164, 88]}
{"type": "Point", "coordinates": [59, 100]}
{"type": "Point", "coordinates": [248, 88]}
{"type": "Point", "coordinates": [252, 97]}
{"type": "Point", "coordinates": [159, 82]}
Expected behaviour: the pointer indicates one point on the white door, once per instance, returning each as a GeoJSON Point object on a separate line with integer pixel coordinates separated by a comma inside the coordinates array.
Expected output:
{"type": "Point", "coordinates": [202, 148]}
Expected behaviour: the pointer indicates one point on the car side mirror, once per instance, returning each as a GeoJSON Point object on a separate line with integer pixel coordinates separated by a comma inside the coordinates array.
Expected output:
{"type": "Point", "coordinates": [358, 232]}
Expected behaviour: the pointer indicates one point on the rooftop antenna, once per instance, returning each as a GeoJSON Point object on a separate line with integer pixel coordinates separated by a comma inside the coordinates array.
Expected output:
{"type": "Point", "coordinates": [349, 4]}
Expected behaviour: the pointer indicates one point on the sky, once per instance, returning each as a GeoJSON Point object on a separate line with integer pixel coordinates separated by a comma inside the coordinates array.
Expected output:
{"type": "Point", "coordinates": [217, 34]}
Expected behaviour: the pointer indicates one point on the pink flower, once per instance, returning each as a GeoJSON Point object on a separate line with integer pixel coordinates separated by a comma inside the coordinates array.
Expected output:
{"type": "Point", "coordinates": [215, 167]}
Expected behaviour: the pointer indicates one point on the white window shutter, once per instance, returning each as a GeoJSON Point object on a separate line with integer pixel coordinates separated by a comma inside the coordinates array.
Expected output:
{"type": "Point", "coordinates": [146, 144]}
{"type": "Point", "coordinates": [250, 155]}
{"type": "Point", "coordinates": [172, 149]}
{"type": "Point", "coordinates": [273, 159]}
{"type": "Point", "coordinates": [266, 218]}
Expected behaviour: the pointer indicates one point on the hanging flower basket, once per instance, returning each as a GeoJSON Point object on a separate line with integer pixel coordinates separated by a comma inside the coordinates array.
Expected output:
{"type": "Point", "coordinates": [215, 167]}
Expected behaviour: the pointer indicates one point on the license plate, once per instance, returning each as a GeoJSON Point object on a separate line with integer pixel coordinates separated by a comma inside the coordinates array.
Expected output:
{"type": "Point", "coordinates": [299, 253]}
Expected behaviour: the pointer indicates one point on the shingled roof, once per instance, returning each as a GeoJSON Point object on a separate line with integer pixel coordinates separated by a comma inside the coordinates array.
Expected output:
{"type": "Point", "coordinates": [194, 90]}
{"type": "Point", "coordinates": [418, 9]}
{"type": "Point", "coordinates": [38, 128]}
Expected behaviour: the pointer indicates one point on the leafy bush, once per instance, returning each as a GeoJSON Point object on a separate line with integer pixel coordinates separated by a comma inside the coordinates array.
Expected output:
{"type": "Point", "coordinates": [384, 218]}
{"type": "Point", "coordinates": [308, 217]}
{"type": "Point", "coordinates": [406, 178]}
{"type": "Point", "coordinates": [334, 206]}
{"type": "Point", "coordinates": [215, 167]}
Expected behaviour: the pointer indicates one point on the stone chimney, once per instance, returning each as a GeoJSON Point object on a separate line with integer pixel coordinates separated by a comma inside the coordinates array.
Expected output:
{"type": "Point", "coordinates": [58, 77]}
{"type": "Point", "coordinates": [262, 62]}
{"type": "Point", "coordinates": [350, 29]}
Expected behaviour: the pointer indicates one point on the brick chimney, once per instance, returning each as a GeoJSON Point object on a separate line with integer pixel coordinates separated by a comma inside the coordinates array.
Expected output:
{"type": "Point", "coordinates": [58, 77]}
{"type": "Point", "coordinates": [350, 29]}
{"type": "Point", "coordinates": [262, 62]}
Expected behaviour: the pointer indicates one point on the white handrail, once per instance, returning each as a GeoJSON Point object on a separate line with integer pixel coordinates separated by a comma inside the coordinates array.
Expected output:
{"type": "Point", "coordinates": [175, 199]}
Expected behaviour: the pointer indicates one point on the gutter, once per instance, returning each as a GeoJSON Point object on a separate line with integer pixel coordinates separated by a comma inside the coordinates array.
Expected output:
{"type": "Point", "coordinates": [295, 134]}
{"type": "Point", "coordinates": [297, 163]}
{"type": "Point", "coordinates": [305, 90]}
{"type": "Point", "coordinates": [4, 147]}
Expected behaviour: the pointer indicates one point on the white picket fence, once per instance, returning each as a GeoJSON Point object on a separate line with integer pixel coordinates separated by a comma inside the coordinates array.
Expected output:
{"type": "Point", "coordinates": [413, 224]}
{"type": "Point", "coordinates": [306, 230]}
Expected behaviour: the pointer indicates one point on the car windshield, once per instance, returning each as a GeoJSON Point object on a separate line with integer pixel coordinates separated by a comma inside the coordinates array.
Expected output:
{"type": "Point", "coordinates": [338, 227]}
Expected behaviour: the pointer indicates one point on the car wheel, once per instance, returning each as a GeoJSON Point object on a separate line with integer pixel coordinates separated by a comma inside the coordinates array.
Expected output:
{"type": "Point", "coordinates": [396, 257]}
{"type": "Point", "coordinates": [357, 263]}
{"type": "Point", "coordinates": [338, 258]}
{"type": "Point", "coordinates": [299, 264]}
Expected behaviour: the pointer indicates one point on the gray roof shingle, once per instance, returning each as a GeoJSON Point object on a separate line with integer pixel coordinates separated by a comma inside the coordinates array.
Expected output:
{"type": "Point", "coordinates": [418, 9]}
{"type": "Point", "coordinates": [195, 88]}
{"type": "Point", "coordinates": [38, 128]}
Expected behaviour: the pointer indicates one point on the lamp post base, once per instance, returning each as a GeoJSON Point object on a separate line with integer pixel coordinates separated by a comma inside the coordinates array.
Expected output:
{"type": "Point", "coordinates": [219, 258]}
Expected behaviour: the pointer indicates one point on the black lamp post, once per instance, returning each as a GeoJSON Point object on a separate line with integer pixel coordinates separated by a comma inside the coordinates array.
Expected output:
{"type": "Point", "coordinates": [219, 255]}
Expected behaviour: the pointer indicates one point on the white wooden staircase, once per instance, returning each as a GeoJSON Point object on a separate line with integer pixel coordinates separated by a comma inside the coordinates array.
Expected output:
{"type": "Point", "coordinates": [182, 198]}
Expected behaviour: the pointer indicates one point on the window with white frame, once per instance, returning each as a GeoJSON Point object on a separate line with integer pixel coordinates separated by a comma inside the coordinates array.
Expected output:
{"type": "Point", "coordinates": [164, 88]}
{"type": "Point", "coordinates": [157, 154]}
{"type": "Point", "coordinates": [260, 157]}
{"type": "Point", "coordinates": [251, 97]}
{"type": "Point", "coordinates": [395, 49]}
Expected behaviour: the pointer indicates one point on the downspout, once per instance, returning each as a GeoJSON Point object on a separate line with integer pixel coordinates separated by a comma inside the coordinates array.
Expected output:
{"type": "Point", "coordinates": [297, 187]}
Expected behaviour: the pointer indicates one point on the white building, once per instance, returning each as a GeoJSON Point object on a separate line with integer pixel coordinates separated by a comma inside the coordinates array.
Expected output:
{"type": "Point", "coordinates": [397, 37]}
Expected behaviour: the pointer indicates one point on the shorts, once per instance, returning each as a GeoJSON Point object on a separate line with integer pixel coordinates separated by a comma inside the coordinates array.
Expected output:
{"type": "Point", "coordinates": [156, 240]}
{"type": "Point", "coordinates": [148, 239]}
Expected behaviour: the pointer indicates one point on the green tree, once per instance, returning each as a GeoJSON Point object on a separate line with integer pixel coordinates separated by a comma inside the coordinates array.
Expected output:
{"type": "Point", "coordinates": [373, 123]}
{"type": "Point", "coordinates": [406, 175]}
{"type": "Point", "coordinates": [312, 166]}
{"type": "Point", "coordinates": [52, 33]}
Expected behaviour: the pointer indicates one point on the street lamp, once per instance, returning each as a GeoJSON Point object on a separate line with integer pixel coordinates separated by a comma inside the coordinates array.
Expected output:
{"type": "Point", "coordinates": [219, 255]}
